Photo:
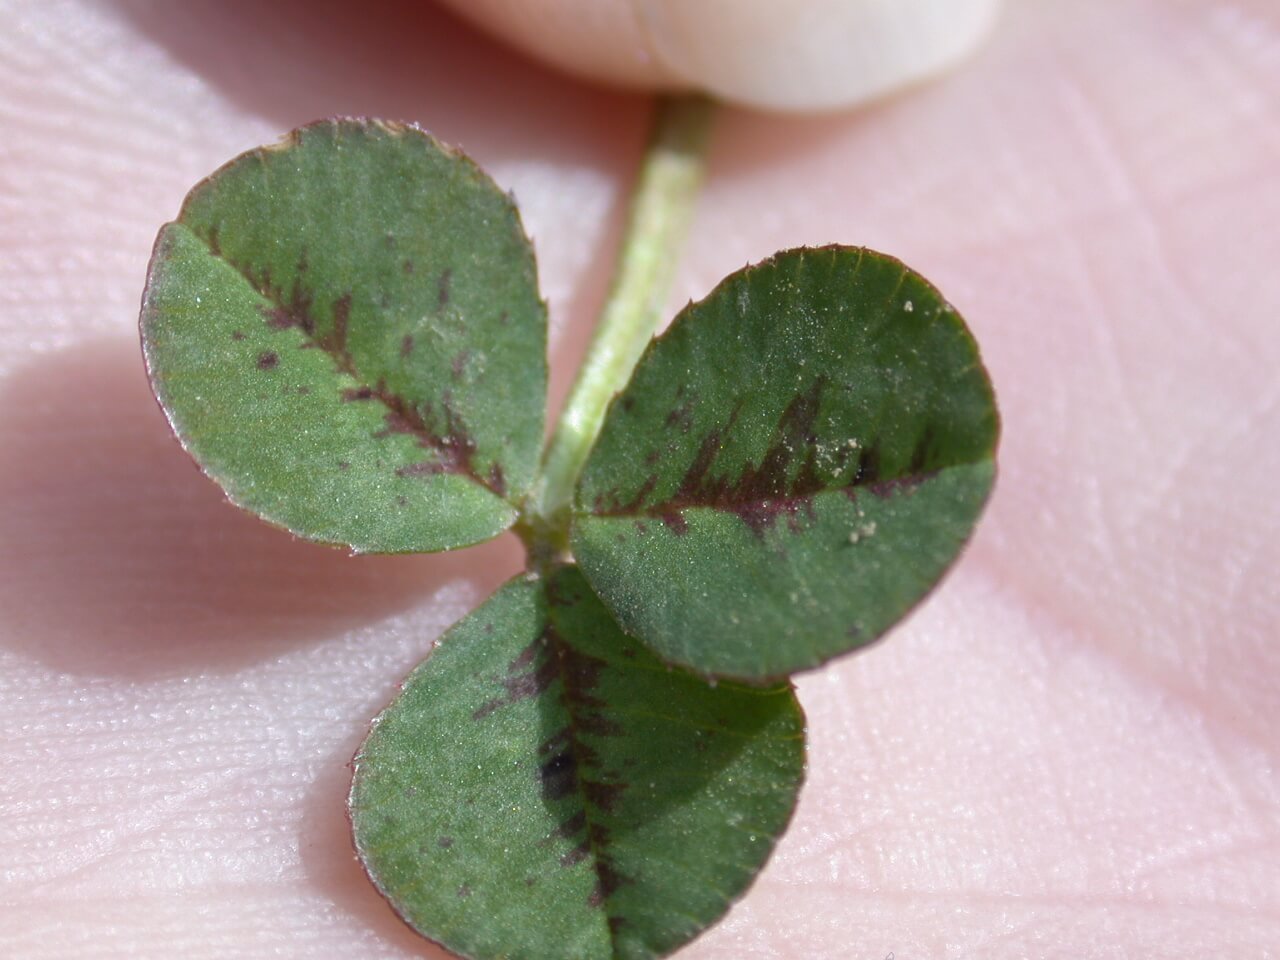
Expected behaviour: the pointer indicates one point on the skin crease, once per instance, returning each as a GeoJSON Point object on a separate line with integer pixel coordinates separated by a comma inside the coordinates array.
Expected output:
{"type": "Point", "coordinates": [1069, 751]}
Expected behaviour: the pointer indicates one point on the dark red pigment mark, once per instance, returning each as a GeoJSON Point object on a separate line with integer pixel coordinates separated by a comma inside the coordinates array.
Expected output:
{"type": "Point", "coordinates": [569, 765]}
{"type": "Point", "coordinates": [783, 484]}
{"type": "Point", "coordinates": [450, 442]}
{"type": "Point", "coordinates": [562, 595]}
{"type": "Point", "coordinates": [867, 475]}
{"type": "Point", "coordinates": [607, 503]}
{"type": "Point", "coordinates": [577, 854]}
{"type": "Point", "coordinates": [406, 346]}
{"type": "Point", "coordinates": [268, 360]}
{"type": "Point", "coordinates": [407, 266]}
{"type": "Point", "coordinates": [581, 674]}
{"type": "Point", "coordinates": [558, 775]}
{"type": "Point", "coordinates": [919, 469]}
{"type": "Point", "coordinates": [446, 436]}
{"type": "Point", "coordinates": [904, 484]}
{"type": "Point", "coordinates": [681, 418]}
{"type": "Point", "coordinates": [464, 891]}
{"type": "Point", "coordinates": [603, 795]}
{"type": "Point", "coordinates": [575, 825]}
{"type": "Point", "coordinates": [609, 880]}
{"type": "Point", "coordinates": [237, 335]}
{"type": "Point", "coordinates": [528, 675]}
{"type": "Point", "coordinates": [458, 365]}
{"type": "Point", "coordinates": [868, 470]}
{"type": "Point", "coordinates": [762, 493]}
{"type": "Point", "coordinates": [556, 742]}
{"type": "Point", "coordinates": [674, 521]}
{"type": "Point", "coordinates": [444, 843]}
{"type": "Point", "coordinates": [442, 288]}
{"type": "Point", "coordinates": [334, 342]}
{"type": "Point", "coordinates": [497, 479]}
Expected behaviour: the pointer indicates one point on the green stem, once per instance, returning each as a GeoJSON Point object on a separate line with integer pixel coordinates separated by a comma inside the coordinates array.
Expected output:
{"type": "Point", "coordinates": [661, 210]}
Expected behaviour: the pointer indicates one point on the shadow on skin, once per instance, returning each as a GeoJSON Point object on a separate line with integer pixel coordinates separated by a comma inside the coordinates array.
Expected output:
{"type": "Point", "coordinates": [120, 559]}
{"type": "Point", "coordinates": [333, 870]}
{"type": "Point", "coordinates": [299, 60]}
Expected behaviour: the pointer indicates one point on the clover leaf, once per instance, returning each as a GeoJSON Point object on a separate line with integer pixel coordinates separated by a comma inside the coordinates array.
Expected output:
{"type": "Point", "coordinates": [792, 467]}
{"type": "Point", "coordinates": [544, 787]}
{"type": "Point", "coordinates": [345, 332]}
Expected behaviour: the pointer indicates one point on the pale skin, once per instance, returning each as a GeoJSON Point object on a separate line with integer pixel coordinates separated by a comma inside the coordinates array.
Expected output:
{"type": "Point", "coordinates": [1068, 751]}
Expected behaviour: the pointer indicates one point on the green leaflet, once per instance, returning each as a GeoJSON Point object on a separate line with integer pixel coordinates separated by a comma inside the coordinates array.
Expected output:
{"type": "Point", "coordinates": [346, 334]}
{"type": "Point", "coordinates": [544, 787]}
{"type": "Point", "coordinates": [792, 467]}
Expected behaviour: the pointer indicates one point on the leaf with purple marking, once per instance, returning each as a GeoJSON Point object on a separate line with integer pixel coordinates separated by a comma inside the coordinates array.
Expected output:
{"type": "Point", "coordinates": [544, 787]}
{"type": "Point", "coordinates": [793, 466]}
{"type": "Point", "coordinates": [345, 332]}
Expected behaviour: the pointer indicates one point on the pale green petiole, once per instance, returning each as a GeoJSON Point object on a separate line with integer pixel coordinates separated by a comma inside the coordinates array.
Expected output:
{"type": "Point", "coordinates": [661, 210]}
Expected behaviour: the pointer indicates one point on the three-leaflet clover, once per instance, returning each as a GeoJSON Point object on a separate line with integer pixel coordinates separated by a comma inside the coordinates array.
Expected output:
{"type": "Point", "coordinates": [346, 333]}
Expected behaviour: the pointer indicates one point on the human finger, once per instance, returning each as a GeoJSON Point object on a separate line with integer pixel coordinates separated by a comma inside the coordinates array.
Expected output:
{"type": "Point", "coordinates": [819, 55]}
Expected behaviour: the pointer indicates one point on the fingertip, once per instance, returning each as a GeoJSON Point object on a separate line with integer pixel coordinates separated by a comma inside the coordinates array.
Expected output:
{"type": "Point", "coordinates": [819, 55]}
{"type": "Point", "coordinates": [822, 55]}
{"type": "Point", "coordinates": [600, 40]}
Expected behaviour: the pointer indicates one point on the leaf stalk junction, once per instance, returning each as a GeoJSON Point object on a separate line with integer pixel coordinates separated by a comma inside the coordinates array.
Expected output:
{"type": "Point", "coordinates": [661, 211]}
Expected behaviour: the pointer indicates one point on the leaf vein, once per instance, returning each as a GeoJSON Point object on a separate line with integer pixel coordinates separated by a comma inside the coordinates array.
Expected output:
{"type": "Point", "coordinates": [454, 447]}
